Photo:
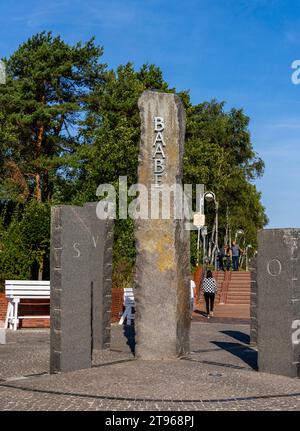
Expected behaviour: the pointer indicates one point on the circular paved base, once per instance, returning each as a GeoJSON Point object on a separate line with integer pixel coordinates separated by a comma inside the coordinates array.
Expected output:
{"type": "Point", "coordinates": [220, 374]}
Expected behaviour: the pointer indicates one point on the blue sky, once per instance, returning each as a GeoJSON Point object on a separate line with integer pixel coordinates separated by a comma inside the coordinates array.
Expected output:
{"type": "Point", "coordinates": [239, 51]}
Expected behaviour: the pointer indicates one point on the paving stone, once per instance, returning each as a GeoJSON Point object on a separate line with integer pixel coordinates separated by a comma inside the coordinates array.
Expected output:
{"type": "Point", "coordinates": [218, 376]}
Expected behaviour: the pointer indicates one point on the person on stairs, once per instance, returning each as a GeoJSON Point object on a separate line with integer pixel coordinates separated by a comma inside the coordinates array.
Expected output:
{"type": "Point", "coordinates": [235, 252]}
{"type": "Point", "coordinates": [210, 289]}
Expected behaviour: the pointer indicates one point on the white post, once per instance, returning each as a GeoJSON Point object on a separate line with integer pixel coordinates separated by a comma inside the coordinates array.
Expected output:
{"type": "Point", "coordinates": [8, 314]}
{"type": "Point", "coordinates": [198, 246]}
{"type": "Point", "coordinates": [11, 313]}
{"type": "Point", "coordinates": [15, 318]}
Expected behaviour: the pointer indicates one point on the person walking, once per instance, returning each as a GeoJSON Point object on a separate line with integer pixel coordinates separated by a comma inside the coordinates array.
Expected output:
{"type": "Point", "coordinates": [235, 251]}
{"type": "Point", "coordinates": [210, 289]}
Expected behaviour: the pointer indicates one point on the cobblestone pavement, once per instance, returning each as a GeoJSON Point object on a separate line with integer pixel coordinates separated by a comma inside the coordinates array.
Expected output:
{"type": "Point", "coordinates": [220, 374]}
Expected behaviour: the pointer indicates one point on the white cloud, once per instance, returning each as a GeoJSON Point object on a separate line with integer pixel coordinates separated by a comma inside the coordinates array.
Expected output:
{"type": "Point", "coordinates": [294, 124]}
{"type": "Point", "coordinates": [108, 14]}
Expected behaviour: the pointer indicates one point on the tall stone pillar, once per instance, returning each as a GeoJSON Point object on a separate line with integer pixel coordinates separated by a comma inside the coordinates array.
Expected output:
{"type": "Point", "coordinates": [80, 280]}
{"type": "Point", "coordinates": [162, 284]}
{"type": "Point", "coordinates": [278, 301]}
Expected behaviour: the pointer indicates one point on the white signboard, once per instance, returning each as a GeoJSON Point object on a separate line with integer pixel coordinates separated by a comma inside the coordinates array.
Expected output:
{"type": "Point", "coordinates": [199, 220]}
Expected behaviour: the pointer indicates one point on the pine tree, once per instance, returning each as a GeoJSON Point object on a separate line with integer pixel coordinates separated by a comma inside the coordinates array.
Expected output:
{"type": "Point", "coordinates": [47, 90]}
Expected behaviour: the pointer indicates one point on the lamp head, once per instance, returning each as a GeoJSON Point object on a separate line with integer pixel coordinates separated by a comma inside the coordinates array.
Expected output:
{"type": "Point", "coordinates": [209, 196]}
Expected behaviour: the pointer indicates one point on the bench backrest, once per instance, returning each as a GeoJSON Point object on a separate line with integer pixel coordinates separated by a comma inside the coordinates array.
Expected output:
{"type": "Point", "coordinates": [27, 289]}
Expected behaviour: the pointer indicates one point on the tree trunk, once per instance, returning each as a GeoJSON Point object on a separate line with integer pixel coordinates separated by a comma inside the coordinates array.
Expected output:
{"type": "Point", "coordinates": [226, 239]}
{"type": "Point", "coordinates": [38, 188]}
{"type": "Point", "coordinates": [38, 183]}
{"type": "Point", "coordinates": [46, 190]}
{"type": "Point", "coordinates": [18, 177]}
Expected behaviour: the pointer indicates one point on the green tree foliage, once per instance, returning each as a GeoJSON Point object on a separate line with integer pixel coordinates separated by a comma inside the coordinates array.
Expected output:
{"type": "Point", "coordinates": [67, 125]}
{"type": "Point", "coordinates": [111, 130]}
{"type": "Point", "coordinates": [24, 241]}
{"type": "Point", "coordinates": [111, 136]}
{"type": "Point", "coordinates": [220, 155]}
{"type": "Point", "coordinates": [48, 84]}
{"type": "Point", "coordinates": [47, 92]}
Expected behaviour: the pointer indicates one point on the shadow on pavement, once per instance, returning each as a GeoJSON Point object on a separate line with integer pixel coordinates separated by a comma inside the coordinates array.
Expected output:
{"type": "Point", "coordinates": [200, 316]}
{"type": "Point", "coordinates": [129, 333]}
{"type": "Point", "coordinates": [200, 312]}
{"type": "Point", "coordinates": [246, 354]}
{"type": "Point", "coordinates": [238, 335]}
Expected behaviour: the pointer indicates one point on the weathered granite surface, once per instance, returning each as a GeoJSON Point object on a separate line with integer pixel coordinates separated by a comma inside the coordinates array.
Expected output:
{"type": "Point", "coordinates": [80, 277]}
{"type": "Point", "coordinates": [162, 282]}
{"type": "Point", "coordinates": [253, 301]}
{"type": "Point", "coordinates": [278, 311]}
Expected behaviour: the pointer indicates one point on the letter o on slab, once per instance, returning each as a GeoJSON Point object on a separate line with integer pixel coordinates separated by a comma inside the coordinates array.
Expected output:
{"type": "Point", "coordinates": [274, 267]}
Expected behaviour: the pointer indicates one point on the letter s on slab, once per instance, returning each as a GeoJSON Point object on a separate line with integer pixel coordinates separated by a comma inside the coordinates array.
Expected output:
{"type": "Point", "coordinates": [75, 247]}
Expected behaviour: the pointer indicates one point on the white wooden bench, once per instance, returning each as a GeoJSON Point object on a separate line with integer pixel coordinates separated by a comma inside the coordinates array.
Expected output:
{"type": "Point", "coordinates": [15, 290]}
{"type": "Point", "coordinates": [129, 304]}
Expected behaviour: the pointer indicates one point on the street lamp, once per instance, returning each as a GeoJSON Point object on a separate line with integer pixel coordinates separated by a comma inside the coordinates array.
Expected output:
{"type": "Point", "coordinates": [238, 232]}
{"type": "Point", "coordinates": [211, 197]}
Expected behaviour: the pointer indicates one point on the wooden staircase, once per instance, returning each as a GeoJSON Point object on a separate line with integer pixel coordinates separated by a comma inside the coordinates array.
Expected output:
{"type": "Point", "coordinates": [234, 287]}
{"type": "Point", "coordinates": [239, 288]}
{"type": "Point", "coordinates": [233, 297]}
{"type": "Point", "coordinates": [220, 278]}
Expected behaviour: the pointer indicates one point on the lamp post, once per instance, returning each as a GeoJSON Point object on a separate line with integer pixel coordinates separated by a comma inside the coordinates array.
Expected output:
{"type": "Point", "coordinates": [211, 197]}
{"type": "Point", "coordinates": [198, 245]}
{"type": "Point", "coordinates": [199, 221]}
{"type": "Point", "coordinates": [238, 232]}
{"type": "Point", "coordinates": [204, 233]}
{"type": "Point", "coordinates": [247, 258]}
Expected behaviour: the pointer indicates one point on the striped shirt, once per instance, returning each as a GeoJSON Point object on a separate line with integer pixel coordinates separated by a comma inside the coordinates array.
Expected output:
{"type": "Point", "coordinates": [209, 285]}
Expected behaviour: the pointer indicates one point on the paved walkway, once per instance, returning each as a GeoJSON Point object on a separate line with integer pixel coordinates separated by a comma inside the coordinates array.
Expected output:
{"type": "Point", "coordinates": [220, 374]}
{"type": "Point", "coordinates": [224, 312]}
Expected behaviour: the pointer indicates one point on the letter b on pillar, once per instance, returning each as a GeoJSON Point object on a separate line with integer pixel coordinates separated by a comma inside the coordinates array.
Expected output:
{"type": "Point", "coordinates": [159, 124]}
